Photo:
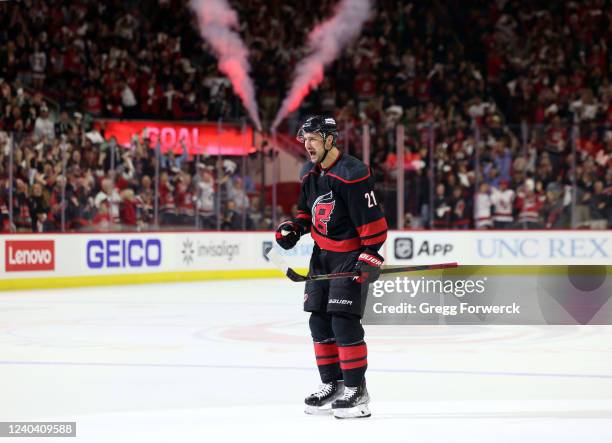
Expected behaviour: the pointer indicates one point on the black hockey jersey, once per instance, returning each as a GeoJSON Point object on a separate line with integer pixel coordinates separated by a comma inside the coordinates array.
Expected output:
{"type": "Point", "coordinates": [339, 208]}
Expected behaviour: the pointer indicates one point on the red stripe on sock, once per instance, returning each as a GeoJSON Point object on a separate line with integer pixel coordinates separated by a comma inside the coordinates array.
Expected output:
{"type": "Point", "coordinates": [354, 364]}
{"type": "Point", "coordinates": [325, 349]}
{"type": "Point", "coordinates": [353, 352]}
{"type": "Point", "coordinates": [327, 361]}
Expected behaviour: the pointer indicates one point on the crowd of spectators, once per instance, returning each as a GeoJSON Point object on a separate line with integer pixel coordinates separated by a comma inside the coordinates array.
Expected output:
{"type": "Point", "coordinates": [115, 59]}
{"type": "Point", "coordinates": [506, 106]}
{"type": "Point", "coordinates": [517, 113]}
{"type": "Point", "coordinates": [66, 176]}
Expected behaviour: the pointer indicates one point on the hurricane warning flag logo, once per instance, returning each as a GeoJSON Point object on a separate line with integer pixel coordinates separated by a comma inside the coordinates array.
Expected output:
{"type": "Point", "coordinates": [322, 209]}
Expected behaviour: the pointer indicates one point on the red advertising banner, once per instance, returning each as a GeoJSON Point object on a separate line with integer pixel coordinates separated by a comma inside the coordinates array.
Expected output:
{"type": "Point", "coordinates": [29, 255]}
{"type": "Point", "coordinates": [199, 138]}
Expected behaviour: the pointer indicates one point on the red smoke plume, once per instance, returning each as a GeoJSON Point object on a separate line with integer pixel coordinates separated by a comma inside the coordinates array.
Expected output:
{"type": "Point", "coordinates": [217, 21]}
{"type": "Point", "coordinates": [324, 45]}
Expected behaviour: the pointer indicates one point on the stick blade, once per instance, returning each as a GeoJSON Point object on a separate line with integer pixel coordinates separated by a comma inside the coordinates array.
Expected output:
{"type": "Point", "coordinates": [278, 261]}
{"type": "Point", "coordinates": [294, 276]}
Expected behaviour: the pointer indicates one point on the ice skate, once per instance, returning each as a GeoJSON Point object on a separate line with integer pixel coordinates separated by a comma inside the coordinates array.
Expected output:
{"type": "Point", "coordinates": [319, 403]}
{"type": "Point", "coordinates": [353, 403]}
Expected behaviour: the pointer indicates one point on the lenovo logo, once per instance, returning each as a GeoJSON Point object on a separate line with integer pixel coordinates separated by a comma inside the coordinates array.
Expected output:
{"type": "Point", "coordinates": [29, 255]}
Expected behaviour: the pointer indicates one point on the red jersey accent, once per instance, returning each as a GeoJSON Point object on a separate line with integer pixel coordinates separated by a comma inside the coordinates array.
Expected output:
{"type": "Point", "coordinates": [351, 244]}
{"type": "Point", "coordinates": [375, 240]}
{"type": "Point", "coordinates": [349, 181]}
{"type": "Point", "coordinates": [322, 211]}
{"type": "Point", "coordinates": [372, 228]}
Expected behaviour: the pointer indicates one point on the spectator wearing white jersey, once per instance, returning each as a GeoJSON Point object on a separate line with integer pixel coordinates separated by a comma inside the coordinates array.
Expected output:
{"type": "Point", "coordinates": [529, 203]}
{"type": "Point", "coordinates": [205, 197]}
{"type": "Point", "coordinates": [109, 194]}
{"type": "Point", "coordinates": [503, 203]}
{"type": "Point", "coordinates": [482, 208]}
{"type": "Point", "coordinates": [44, 127]}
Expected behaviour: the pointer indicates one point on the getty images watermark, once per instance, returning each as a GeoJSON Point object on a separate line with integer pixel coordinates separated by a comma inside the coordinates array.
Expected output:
{"type": "Point", "coordinates": [411, 288]}
{"type": "Point", "coordinates": [493, 295]}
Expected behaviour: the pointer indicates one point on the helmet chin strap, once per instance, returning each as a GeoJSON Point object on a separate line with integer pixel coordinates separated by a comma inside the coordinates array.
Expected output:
{"type": "Point", "coordinates": [324, 155]}
{"type": "Point", "coordinates": [326, 150]}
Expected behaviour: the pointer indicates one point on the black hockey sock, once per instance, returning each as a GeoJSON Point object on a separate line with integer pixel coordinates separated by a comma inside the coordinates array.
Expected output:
{"type": "Point", "coordinates": [328, 361]}
{"type": "Point", "coordinates": [353, 362]}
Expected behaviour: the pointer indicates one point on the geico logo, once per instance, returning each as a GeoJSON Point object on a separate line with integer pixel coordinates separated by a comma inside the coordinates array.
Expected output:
{"type": "Point", "coordinates": [29, 256]}
{"type": "Point", "coordinates": [123, 253]}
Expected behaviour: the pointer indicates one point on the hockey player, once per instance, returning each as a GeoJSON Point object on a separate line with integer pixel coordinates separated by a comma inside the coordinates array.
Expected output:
{"type": "Point", "coordinates": [337, 205]}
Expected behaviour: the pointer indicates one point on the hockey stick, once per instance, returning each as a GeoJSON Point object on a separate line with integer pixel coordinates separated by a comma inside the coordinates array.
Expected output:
{"type": "Point", "coordinates": [276, 258]}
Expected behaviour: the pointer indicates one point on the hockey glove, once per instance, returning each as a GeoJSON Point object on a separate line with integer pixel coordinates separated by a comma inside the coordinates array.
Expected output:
{"type": "Point", "coordinates": [368, 264]}
{"type": "Point", "coordinates": [287, 234]}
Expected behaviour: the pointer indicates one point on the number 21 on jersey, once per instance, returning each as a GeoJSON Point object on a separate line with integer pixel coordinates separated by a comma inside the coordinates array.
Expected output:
{"type": "Point", "coordinates": [371, 199]}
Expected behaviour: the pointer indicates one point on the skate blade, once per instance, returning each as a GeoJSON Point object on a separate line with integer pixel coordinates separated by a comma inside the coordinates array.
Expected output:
{"type": "Point", "coordinates": [318, 410]}
{"type": "Point", "coordinates": [359, 411]}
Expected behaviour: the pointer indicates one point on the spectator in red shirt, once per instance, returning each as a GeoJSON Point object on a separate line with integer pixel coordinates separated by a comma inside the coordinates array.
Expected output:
{"type": "Point", "coordinates": [92, 101]}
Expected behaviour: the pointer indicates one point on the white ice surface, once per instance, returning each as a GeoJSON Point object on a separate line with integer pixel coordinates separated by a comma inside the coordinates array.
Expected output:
{"type": "Point", "coordinates": [232, 361]}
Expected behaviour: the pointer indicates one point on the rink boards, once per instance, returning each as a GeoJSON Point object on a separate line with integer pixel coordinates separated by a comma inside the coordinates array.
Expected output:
{"type": "Point", "coordinates": [86, 259]}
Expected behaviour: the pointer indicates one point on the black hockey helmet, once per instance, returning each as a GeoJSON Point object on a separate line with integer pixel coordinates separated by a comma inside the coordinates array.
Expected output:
{"type": "Point", "coordinates": [322, 125]}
